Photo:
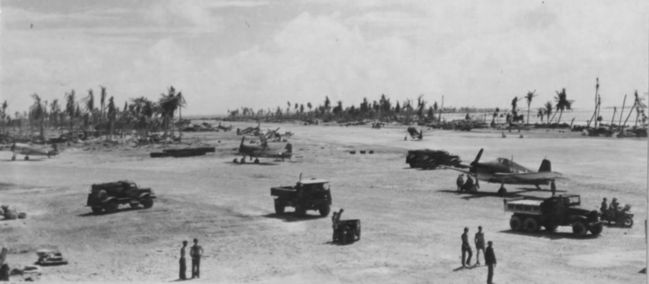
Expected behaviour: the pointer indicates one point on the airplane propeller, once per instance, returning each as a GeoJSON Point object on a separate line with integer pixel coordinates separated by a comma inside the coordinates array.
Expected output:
{"type": "Point", "coordinates": [477, 157]}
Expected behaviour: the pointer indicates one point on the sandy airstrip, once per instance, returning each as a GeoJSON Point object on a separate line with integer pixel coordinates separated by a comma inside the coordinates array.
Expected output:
{"type": "Point", "coordinates": [411, 219]}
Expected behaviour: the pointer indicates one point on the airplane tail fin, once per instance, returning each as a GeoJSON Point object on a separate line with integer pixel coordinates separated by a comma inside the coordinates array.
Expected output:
{"type": "Point", "coordinates": [546, 166]}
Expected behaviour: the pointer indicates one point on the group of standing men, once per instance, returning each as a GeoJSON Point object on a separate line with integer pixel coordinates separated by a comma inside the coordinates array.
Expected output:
{"type": "Point", "coordinates": [489, 255]}
{"type": "Point", "coordinates": [467, 185]}
{"type": "Point", "coordinates": [195, 252]}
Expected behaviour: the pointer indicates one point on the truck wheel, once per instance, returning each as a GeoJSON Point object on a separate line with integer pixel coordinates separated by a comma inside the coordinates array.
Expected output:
{"type": "Point", "coordinates": [279, 207]}
{"type": "Point", "coordinates": [530, 225]}
{"type": "Point", "coordinates": [579, 228]}
{"type": "Point", "coordinates": [551, 228]}
{"type": "Point", "coordinates": [628, 222]}
{"type": "Point", "coordinates": [111, 207]}
{"type": "Point", "coordinates": [596, 229]}
{"type": "Point", "coordinates": [324, 210]}
{"type": "Point", "coordinates": [96, 209]}
{"type": "Point", "coordinates": [147, 203]}
{"type": "Point", "coordinates": [515, 223]}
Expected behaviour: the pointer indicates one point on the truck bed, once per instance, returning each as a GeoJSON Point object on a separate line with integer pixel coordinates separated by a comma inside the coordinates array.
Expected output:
{"type": "Point", "coordinates": [525, 206]}
{"type": "Point", "coordinates": [282, 191]}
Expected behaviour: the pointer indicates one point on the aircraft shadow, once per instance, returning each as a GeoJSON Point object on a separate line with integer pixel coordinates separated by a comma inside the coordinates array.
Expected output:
{"type": "Point", "coordinates": [23, 160]}
{"type": "Point", "coordinates": [290, 217]}
{"type": "Point", "coordinates": [480, 194]}
{"type": "Point", "coordinates": [549, 235]}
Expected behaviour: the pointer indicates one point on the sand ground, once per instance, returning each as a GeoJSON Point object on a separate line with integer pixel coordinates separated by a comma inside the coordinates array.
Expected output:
{"type": "Point", "coordinates": [411, 219]}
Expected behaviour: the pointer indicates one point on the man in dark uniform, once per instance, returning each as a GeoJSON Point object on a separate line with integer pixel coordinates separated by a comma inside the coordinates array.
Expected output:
{"type": "Point", "coordinates": [613, 208]}
{"type": "Point", "coordinates": [196, 252]}
{"type": "Point", "coordinates": [604, 207]}
{"type": "Point", "coordinates": [479, 244]}
{"type": "Point", "coordinates": [490, 259]}
{"type": "Point", "coordinates": [466, 248]}
{"type": "Point", "coordinates": [335, 219]}
{"type": "Point", "coordinates": [468, 185]}
{"type": "Point", "coordinates": [183, 263]}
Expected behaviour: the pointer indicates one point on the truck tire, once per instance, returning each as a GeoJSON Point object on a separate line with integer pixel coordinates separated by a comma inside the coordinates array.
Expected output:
{"type": "Point", "coordinates": [515, 223]}
{"type": "Point", "coordinates": [596, 229]}
{"type": "Point", "coordinates": [111, 206]}
{"type": "Point", "coordinates": [628, 222]}
{"type": "Point", "coordinates": [579, 228]}
{"type": "Point", "coordinates": [147, 202]}
{"type": "Point", "coordinates": [530, 225]}
{"type": "Point", "coordinates": [324, 210]}
{"type": "Point", "coordinates": [279, 207]}
{"type": "Point", "coordinates": [96, 209]}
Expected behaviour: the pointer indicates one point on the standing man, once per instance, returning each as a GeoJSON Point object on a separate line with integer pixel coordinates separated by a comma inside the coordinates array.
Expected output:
{"type": "Point", "coordinates": [196, 252]}
{"type": "Point", "coordinates": [479, 245]}
{"type": "Point", "coordinates": [460, 182]}
{"type": "Point", "coordinates": [335, 219]}
{"type": "Point", "coordinates": [603, 207]}
{"type": "Point", "coordinates": [466, 248]}
{"type": "Point", "coordinates": [183, 263]}
{"type": "Point", "coordinates": [490, 259]}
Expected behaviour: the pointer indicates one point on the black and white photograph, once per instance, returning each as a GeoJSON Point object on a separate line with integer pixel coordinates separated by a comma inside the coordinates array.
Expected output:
{"type": "Point", "coordinates": [324, 141]}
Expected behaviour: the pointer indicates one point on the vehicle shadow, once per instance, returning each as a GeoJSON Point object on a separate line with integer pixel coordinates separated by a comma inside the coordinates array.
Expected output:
{"type": "Point", "coordinates": [290, 217]}
{"type": "Point", "coordinates": [252, 164]}
{"type": "Point", "coordinates": [121, 210]}
{"type": "Point", "coordinates": [550, 235]}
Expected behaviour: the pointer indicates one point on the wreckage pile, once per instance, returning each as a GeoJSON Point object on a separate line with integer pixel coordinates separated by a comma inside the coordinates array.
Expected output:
{"type": "Point", "coordinates": [431, 159]}
{"type": "Point", "coordinates": [183, 152]}
{"type": "Point", "coordinates": [11, 213]}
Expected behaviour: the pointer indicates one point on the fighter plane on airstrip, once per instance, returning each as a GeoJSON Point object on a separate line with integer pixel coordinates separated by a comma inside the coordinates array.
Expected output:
{"type": "Point", "coordinates": [263, 151]}
{"type": "Point", "coordinates": [506, 171]}
{"type": "Point", "coordinates": [31, 150]}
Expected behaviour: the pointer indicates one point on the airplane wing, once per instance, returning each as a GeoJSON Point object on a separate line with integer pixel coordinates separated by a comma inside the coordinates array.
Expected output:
{"type": "Point", "coordinates": [528, 177]}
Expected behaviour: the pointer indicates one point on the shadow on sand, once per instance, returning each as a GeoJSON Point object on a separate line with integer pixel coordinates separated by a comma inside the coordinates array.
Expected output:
{"type": "Point", "coordinates": [121, 210]}
{"type": "Point", "coordinates": [290, 217]}
{"type": "Point", "coordinates": [550, 235]}
{"type": "Point", "coordinates": [252, 164]}
{"type": "Point", "coordinates": [464, 268]}
{"type": "Point", "coordinates": [509, 194]}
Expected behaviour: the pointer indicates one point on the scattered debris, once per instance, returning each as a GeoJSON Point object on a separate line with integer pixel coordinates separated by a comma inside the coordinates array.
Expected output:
{"type": "Point", "coordinates": [11, 213]}
{"type": "Point", "coordinates": [414, 134]}
{"type": "Point", "coordinates": [48, 257]}
{"type": "Point", "coordinates": [431, 159]}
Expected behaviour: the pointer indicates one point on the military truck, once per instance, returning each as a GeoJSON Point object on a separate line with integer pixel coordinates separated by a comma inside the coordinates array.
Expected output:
{"type": "Point", "coordinates": [312, 194]}
{"type": "Point", "coordinates": [563, 210]}
{"type": "Point", "coordinates": [106, 197]}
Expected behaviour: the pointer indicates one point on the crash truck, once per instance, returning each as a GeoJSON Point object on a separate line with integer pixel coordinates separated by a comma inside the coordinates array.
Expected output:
{"type": "Point", "coordinates": [312, 194]}
{"type": "Point", "coordinates": [106, 197]}
{"type": "Point", "coordinates": [563, 210]}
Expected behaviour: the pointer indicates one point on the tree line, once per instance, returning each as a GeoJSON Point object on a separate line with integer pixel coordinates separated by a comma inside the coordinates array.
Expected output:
{"type": "Point", "coordinates": [84, 114]}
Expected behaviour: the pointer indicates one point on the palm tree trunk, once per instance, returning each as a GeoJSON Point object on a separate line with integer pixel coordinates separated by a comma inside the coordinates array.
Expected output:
{"type": "Point", "coordinates": [560, 114]}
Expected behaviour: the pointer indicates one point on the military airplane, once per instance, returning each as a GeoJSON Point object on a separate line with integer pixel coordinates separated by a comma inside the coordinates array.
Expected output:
{"type": "Point", "coordinates": [30, 150]}
{"type": "Point", "coordinates": [263, 151]}
{"type": "Point", "coordinates": [506, 171]}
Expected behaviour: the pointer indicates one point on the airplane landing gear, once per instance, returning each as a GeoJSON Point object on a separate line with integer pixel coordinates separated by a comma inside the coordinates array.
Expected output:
{"type": "Point", "coordinates": [502, 191]}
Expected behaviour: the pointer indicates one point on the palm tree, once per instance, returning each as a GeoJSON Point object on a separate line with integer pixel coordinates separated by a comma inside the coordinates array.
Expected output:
{"type": "Point", "coordinates": [37, 113]}
{"type": "Point", "coordinates": [90, 107]}
{"type": "Point", "coordinates": [181, 103]}
{"type": "Point", "coordinates": [168, 104]}
{"type": "Point", "coordinates": [540, 113]}
{"type": "Point", "coordinates": [112, 114]}
{"type": "Point", "coordinates": [562, 102]}
{"type": "Point", "coordinates": [102, 100]}
{"type": "Point", "coordinates": [548, 111]}
{"type": "Point", "coordinates": [3, 115]}
{"type": "Point", "coordinates": [69, 109]}
{"type": "Point", "coordinates": [528, 98]}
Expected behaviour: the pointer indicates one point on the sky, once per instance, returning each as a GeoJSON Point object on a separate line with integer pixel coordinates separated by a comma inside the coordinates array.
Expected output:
{"type": "Point", "coordinates": [228, 54]}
